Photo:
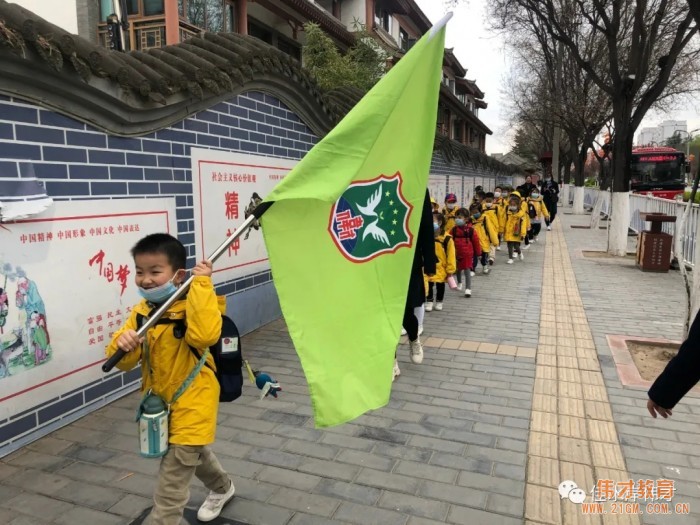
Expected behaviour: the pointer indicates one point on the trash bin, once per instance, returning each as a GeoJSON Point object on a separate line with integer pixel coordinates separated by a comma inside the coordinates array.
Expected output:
{"type": "Point", "coordinates": [654, 246]}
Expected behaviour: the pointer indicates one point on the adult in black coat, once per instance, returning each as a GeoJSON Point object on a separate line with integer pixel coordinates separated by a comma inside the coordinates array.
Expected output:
{"type": "Point", "coordinates": [526, 189]}
{"type": "Point", "coordinates": [680, 375]}
{"type": "Point", "coordinates": [549, 188]}
{"type": "Point", "coordinates": [424, 261]}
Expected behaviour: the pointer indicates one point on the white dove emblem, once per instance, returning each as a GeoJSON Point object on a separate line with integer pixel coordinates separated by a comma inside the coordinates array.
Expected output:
{"type": "Point", "coordinates": [368, 210]}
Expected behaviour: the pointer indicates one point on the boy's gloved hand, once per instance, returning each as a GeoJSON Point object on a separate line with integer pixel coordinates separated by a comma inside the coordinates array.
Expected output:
{"type": "Point", "coordinates": [129, 340]}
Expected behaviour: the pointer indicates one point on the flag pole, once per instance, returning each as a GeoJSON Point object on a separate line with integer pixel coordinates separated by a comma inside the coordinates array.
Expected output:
{"type": "Point", "coordinates": [439, 25]}
{"type": "Point", "coordinates": [182, 290]}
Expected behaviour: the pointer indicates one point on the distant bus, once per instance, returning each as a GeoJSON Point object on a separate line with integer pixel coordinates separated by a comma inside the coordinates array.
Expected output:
{"type": "Point", "coordinates": [658, 171]}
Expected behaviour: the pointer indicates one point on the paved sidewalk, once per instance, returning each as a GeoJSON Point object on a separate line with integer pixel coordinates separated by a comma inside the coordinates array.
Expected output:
{"type": "Point", "coordinates": [507, 404]}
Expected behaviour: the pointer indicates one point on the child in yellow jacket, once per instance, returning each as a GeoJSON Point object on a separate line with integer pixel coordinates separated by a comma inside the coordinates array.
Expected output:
{"type": "Point", "coordinates": [167, 362]}
{"type": "Point", "coordinates": [446, 264]}
{"type": "Point", "coordinates": [490, 211]}
{"type": "Point", "coordinates": [515, 223]}
{"type": "Point", "coordinates": [526, 219]}
{"type": "Point", "coordinates": [500, 200]}
{"type": "Point", "coordinates": [450, 211]}
{"type": "Point", "coordinates": [541, 213]}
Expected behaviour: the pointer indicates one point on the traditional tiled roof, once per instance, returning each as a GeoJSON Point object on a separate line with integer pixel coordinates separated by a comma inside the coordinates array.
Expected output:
{"type": "Point", "coordinates": [137, 92]}
{"type": "Point", "coordinates": [446, 96]}
{"type": "Point", "coordinates": [326, 20]}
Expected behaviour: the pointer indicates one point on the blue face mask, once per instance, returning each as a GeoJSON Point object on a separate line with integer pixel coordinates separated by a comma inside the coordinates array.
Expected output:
{"type": "Point", "coordinates": [158, 294]}
{"type": "Point", "coordinates": [459, 222]}
{"type": "Point", "coordinates": [436, 226]}
{"type": "Point", "coordinates": [535, 195]}
{"type": "Point", "coordinates": [477, 215]}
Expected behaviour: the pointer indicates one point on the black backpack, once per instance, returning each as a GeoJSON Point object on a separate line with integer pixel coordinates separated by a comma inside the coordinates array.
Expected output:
{"type": "Point", "coordinates": [226, 352]}
{"type": "Point", "coordinates": [531, 211]}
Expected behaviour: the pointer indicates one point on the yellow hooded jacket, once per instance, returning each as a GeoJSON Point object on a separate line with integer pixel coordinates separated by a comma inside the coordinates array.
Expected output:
{"type": "Point", "coordinates": [486, 228]}
{"type": "Point", "coordinates": [500, 204]}
{"type": "Point", "coordinates": [515, 224]}
{"type": "Point", "coordinates": [193, 415]}
{"type": "Point", "coordinates": [449, 217]}
{"type": "Point", "coordinates": [526, 218]}
{"type": "Point", "coordinates": [446, 260]}
{"type": "Point", "coordinates": [540, 208]}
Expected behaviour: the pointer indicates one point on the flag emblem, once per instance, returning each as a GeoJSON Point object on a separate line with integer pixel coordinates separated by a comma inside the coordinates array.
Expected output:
{"type": "Point", "coordinates": [371, 219]}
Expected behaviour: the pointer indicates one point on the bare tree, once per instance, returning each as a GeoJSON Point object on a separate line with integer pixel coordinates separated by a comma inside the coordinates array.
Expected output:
{"type": "Point", "coordinates": [647, 43]}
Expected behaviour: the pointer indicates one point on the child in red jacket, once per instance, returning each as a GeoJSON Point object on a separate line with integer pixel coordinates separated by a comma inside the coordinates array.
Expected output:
{"type": "Point", "coordinates": [467, 245]}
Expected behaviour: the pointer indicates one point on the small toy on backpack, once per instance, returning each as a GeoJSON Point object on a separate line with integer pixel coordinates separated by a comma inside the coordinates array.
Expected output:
{"type": "Point", "coordinates": [264, 381]}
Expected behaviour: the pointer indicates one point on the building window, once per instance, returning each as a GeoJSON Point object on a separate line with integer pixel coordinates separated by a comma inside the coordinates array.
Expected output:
{"type": "Point", "coordinates": [153, 7]}
{"type": "Point", "coordinates": [289, 47]}
{"type": "Point", "coordinates": [457, 130]}
{"type": "Point", "coordinates": [403, 39]}
{"type": "Point", "coordinates": [259, 31]}
{"type": "Point", "coordinates": [382, 19]}
{"type": "Point", "coordinates": [210, 15]}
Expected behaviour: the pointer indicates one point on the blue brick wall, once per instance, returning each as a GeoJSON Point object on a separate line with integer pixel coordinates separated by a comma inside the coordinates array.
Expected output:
{"type": "Point", "coordinates": [75, 161]}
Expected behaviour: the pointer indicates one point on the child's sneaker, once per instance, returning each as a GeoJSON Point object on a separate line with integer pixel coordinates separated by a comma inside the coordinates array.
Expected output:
{"type": "Point", "coordinates": [472, 273]}
{"type": "Point", "coordinates": [526, 247]}
{"type": "Point", "coordinates": [420, 329]}
{"type": "Point", "coordinates": [491, 261]}
{"type": "Point", "coordinates": [459, 286]}
{"type": "Point", "coordinates": [403, 331]}
{"type": "Point", "coordinates": [467, 293]}
{"type": "Point", "coordinates": [214, 504]}
{"type": "Point", "coordinates": [417, 351]}
{"type": "Point", "coordinates": [549, 228]}
{"type": "Point", "coordinates": [397, 370]}
{"type": "Point", "coordinates": [522, 257]}
{"type": "Point", "coordinates": [510, 261]}
{"type": "Point", "coordinates": [498, 248]}
{"type": "Point", "coordinates": [429, 306]}
{"type": "Point", "coordinates": [487, 269]}
{"type": "Point", "coordinates": [438, 306]}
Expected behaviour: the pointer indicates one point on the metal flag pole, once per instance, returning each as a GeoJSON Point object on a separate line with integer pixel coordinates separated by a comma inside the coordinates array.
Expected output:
{"type": "Point", "coordinates": [182, 290]}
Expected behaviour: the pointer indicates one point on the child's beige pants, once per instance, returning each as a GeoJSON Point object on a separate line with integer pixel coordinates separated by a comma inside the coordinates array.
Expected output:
{"type": "Point", "coordinates": [176, 470]}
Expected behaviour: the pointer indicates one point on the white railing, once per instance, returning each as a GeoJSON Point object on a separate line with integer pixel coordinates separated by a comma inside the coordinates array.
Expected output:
{"type": "Point", "coordinates": [643, 204]}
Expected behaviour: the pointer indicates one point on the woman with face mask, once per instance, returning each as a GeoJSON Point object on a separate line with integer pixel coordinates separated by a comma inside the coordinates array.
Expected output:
{"type": "Point", "coordinates": [550, 196]}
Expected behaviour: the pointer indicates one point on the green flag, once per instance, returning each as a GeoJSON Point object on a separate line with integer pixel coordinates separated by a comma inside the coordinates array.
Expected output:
{"type": "Point", "coordinates": [342, 232]}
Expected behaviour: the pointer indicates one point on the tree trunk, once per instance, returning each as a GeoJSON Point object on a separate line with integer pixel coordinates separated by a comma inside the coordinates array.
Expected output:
{"type": "Point", "coordinates": [621, 154]}
{"type": "Point", "coordinates": [579, 192]}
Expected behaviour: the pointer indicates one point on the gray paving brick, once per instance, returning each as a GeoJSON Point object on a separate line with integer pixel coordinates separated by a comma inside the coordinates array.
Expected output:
{"type": "Point", "coordinates": [303, 434]}
{"type": "Point", "coordinates": [131, 506]}
{"type": "Point", "coordinates": [459, 462]}
{"type": "Point", "coordinates": [256, 512]}
{"type": "Point", "coordinates": [477, 415]}
{"type": "Point", "coordinates": [304, 502]}
{"type": "Point", "coordinates": [513, 504]}
{"type": "Point", "coordinates": [348, 491]}
{"type": "Point", "coordinates": [491, 484]}
{"type": "Point", "coordinates": [90, 495]}
{"type": "Point", "coordinates": [453, 494]}
{"type": "Point", "coordinates": [402, 452]}
{"type": "Point", "coordinates": [276, 458]}
{"type": "Point", "coordinates": [307, 519]}
{"type": "Point", "coordinates": [37, 505]}
{"type": "Point", "coordinates": [363, 515]}
{"type": "Point", "coordinates": [36, 480]}
{"type": "Point", "coordinates": [329, 469]}
{"type": "Point", "coordinates": [36, 460]}
{"type": "Point", "coordinates": [27, 520]}
{"type": "Point", "coordinates": [93, 517]}
{"type": "Point", "coordinates": [437, 444]}
{"type": "Point", "coordinates": [89, 454]}
{"type": "Point", "coordinates": [426, 409]}
{"type": "Point", "coordinates": [504, 456]}
{"type": "Point", "coordinates": [239, 467]}
{"type": "Point", "coordinates": [383, 434]}
{"type": "Point", "coordinates": [423, 471]}
{"type": "Point", "coordinates": [468, 437]}
{"type": "Point", "coordinates": [289, 478]}
{"type": "Point", "coordinates": [250, 424]}
{"type": "Point", "coordinates": [509, 432]}
{"type": "Point", "coordinates": [383, 480]}
{"type": "Point", "coordinates": [506, 470]}
{"type": "Point", "coordinates": [511, 444]}
{"type": "Point", "coordinates": [223, 447]}
{"type": "Point", "coordinates": [257, 440]}
{"type": "Point", "coordinates": [414, 506]}
{"type": "Point", "coordinates": [365, 459]}
{"type": "Point", "coordinates": [449, 422]}
{"type": "Point", "coordinates": [347, 442]}
{"type": "Point", "coordinates": [246, 488]}
{"type": "Point", "coordinates": [466, 516]}
{"type": "Point", "coordinates": [314, 450]}
{"type": "Point", "coordinates": [92, 473]}
{"type": "Point", "coordinates": [284, 418]}
{"type": "Point", "coordinates": [661, 457]}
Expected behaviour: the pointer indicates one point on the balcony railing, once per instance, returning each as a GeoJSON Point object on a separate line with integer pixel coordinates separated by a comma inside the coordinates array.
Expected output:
{"type": "Point", "coordinates": [148, 33]}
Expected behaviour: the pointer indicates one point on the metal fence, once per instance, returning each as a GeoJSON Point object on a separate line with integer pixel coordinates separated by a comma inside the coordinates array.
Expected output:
{"type": "Point", "coordinates": [642, 204]}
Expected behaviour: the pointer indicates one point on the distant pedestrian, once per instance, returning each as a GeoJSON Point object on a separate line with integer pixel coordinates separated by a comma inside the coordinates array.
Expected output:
{"type": "Point", "coordinates": [526, 189]}
{"type": "Point", "coordinates": [549, 189]}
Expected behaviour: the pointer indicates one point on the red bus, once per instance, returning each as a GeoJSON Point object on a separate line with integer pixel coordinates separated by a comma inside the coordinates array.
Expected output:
{"type": "Point", "coordinates": [658, 171]}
